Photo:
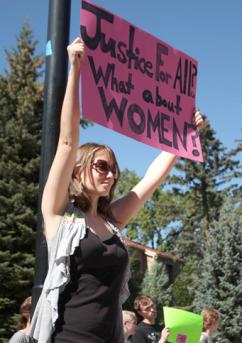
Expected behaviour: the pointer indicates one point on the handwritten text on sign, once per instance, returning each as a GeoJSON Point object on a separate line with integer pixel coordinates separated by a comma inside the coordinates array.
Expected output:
{"type": "Point", "coordinates": [138, 85]}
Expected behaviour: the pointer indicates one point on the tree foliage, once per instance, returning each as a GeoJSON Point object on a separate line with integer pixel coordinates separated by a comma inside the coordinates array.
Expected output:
{"type": "Point", "coordinates": [181, 293]}
{"type": "Point", "coordinates": [21, 107]}
{"type": "Point", "coordinates": [156, 285]}
{"type": "Point", "coordinates": [220, 282]}
{"type": "Point", "coordinates": [21, 101]}
{"type": "Point", "coordinates": [203, 187]}
{"type": "Point", "coordinates": [136, 278]}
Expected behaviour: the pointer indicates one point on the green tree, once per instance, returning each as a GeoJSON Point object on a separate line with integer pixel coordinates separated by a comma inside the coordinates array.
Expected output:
{"type": "Point", "coordinates": [220, 282]}
{"type": "Point", "coordinates": [237, 189]}
{"type": "Point", "coordinates": [156, 285]}
{"type": "Point", "coordinates": [136, 278]}
{"type": "Point", "coordinates": [21, 105]}
{"type": "Point", "coordinates": [21, 101]}
{"type": "Point", "coordinates": [181, 293]}
{"type": "Point", "coordinates": [203, 186]}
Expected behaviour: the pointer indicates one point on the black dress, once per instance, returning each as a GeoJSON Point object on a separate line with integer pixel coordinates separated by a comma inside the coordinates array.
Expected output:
{"type": "Point", "coordinates": [89, 308]}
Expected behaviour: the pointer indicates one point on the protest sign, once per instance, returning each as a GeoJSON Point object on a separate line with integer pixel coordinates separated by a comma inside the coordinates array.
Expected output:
{"type": "Point", "coordinates": [137, 85]}
{"type": "Point", "coordinates": [184, 326]}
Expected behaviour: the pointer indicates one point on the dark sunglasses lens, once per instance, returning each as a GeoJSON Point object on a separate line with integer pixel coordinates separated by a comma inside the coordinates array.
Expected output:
{"type": "Point", "coordinates": [102, 166]}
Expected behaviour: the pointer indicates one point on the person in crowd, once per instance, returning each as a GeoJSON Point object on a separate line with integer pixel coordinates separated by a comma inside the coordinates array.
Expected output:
{"type": "Point", "coordinates": [129, 323]}
{"type": "Point", "coordinates": [88, 261]}
{"type": "Point", "coordinates": [211, 319]}
{"type": "Point", "coordinates": [146, 332]}
{"type": "Point", "coordinates": [23, 323]}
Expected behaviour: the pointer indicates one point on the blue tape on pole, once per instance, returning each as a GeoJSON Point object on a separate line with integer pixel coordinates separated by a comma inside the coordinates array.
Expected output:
{"type": "Point", "coordinates": [48, 49]}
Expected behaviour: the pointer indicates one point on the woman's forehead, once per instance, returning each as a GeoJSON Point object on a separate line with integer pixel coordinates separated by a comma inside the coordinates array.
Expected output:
{"type": "Point", "coordinates": [102, 155]}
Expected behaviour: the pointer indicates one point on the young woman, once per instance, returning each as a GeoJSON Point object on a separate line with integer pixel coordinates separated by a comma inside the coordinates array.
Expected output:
{"type": "Point", "coordinates": [88, 262]}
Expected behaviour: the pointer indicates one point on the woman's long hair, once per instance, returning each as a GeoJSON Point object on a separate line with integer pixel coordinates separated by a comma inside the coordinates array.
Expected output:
{"type": "Point", "coordinates": [77, 190]}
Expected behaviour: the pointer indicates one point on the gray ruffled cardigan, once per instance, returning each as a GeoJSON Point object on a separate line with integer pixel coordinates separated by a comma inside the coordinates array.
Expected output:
{"type": "Point", "coordinates": [71, 230]}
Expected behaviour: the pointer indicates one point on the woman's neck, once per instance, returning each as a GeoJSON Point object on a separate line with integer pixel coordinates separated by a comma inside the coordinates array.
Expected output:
{"type": "Point", "coordinates": [92, 211]}
{"type": "Point", "coordinates": [26, 329]}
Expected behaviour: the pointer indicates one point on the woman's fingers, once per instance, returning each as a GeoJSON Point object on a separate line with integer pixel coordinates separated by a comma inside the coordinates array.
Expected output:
{"type": "Point", "coordinates": [76, 51]}
{"type": "Point", "coordinates": [77, 40]}
{"type": "Point", "coordinates": [198, 118]}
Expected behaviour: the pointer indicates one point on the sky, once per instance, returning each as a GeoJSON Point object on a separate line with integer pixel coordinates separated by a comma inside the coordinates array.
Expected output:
{"type": "Point", "coordinates": [209, 31]}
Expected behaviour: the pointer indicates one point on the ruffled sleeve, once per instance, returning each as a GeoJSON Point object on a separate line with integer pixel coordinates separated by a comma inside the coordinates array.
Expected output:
{"type": "Point", "coordinates": [71, 230]}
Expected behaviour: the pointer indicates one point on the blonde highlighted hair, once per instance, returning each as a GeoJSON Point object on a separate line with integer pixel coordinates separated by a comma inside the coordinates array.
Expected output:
{"type": "Point", "coordinates": [77, 190]}
{"type": "Point", "coordinates": [129, 315]}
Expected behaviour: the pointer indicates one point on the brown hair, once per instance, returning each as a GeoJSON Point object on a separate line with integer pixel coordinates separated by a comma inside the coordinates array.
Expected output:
{"type": "Point", "coordinates": [210, 316]}
{"type": "Point", "coordinates": [142, 300]}
{"type": "Point", "coordinates": [77, 190]}
{"type": "Point", "coordinates": [25, 313]}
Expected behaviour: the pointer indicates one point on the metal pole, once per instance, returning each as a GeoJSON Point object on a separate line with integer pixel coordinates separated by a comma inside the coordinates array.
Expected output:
{"type": "Point", "coordinates": [54, 90]}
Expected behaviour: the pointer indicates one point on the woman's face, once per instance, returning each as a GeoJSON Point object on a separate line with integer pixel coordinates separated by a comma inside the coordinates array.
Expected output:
{"type": "Point", "coordinates": [101, 177]}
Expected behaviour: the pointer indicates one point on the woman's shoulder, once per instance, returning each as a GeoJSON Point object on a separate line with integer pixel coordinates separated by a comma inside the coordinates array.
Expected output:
{"type": "Point", "coordinates": [20, 337]}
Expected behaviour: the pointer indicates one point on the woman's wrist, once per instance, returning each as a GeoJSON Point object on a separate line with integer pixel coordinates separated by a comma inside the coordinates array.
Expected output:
{"type": "Point", "coordinates": [75, 71]}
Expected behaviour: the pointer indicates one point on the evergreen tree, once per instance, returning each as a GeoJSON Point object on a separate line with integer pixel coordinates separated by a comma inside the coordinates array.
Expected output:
{"type": "Point", "coordinates": [156, 285]}
{"type": "Point", "coordinates": [220, 282]}
{"type": "Point", "coordinates": [203, 187]}
{"type": "Point", "coordinates": [21, 101]}
{"type": "Point", "coordinates": [136, 277]}
{"type": "Point", "coordinates": [237, 189]}
{"type": "Point", "coordinates": [181, 294]}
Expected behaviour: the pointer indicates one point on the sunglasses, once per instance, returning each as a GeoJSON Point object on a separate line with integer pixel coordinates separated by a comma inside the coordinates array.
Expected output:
{"type": "Point", "coordinates": [103, 168]}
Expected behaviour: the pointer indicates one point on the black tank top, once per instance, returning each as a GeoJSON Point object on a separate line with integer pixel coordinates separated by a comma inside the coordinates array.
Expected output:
{"type": "Point", "coordinates": [89, 308]}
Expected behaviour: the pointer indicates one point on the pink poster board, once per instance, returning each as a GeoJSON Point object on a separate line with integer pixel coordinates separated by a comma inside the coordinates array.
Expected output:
{"type": "Point", "coordinates": [137, 85]}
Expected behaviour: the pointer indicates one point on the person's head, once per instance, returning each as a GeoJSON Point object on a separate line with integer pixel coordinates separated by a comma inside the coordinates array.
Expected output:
{"type": "Point", "coordinates": [211, 319]}
{"type": "Point", "coordinates": [25, 313]}
{"type": "Point", "coordinates": [146, 308]}
{"type": "Point", "coordinates": [95, 175]}
{"type": "Point", "coordinates": [129, 323]}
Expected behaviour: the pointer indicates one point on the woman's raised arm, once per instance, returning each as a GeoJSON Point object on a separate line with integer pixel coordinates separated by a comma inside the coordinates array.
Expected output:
{"type": "Point", "coordinates": [55, 195]}
{"type": "Point", "coordinates": [125, 208]}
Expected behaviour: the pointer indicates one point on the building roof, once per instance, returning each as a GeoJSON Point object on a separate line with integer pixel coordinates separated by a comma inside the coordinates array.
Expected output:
{"type": "Point", "coordinates": [149, 251]}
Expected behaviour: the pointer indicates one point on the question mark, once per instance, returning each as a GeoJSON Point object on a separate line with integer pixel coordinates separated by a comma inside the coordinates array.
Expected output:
{"type": "Point", "coordinates": [194, 136]}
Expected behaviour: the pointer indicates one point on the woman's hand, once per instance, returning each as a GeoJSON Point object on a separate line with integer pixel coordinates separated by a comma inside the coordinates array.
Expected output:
{"type": "Point", "coordinates": [76, 53]}
{"type": "Point", "coordinates": [198, 118]}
